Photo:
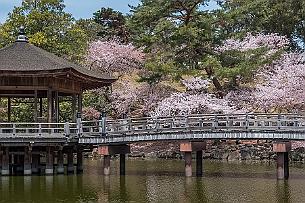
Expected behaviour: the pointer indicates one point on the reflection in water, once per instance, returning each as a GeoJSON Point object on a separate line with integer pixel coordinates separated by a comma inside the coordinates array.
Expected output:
{"type": "Point", "coordinates": [158, 181]}
{"type": "Point", "coordinates": [283, 191]}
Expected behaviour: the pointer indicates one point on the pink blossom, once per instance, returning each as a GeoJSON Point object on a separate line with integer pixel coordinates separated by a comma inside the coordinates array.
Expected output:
{"type": "Point", "coordinates": [112, 56]}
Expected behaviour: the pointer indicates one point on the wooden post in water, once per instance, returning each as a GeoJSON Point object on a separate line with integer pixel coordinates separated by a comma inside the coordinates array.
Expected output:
{"type": "Point", "coordinates": [106, 165]}
{"type": "Point", "coordinates": [27, 166]}
{"type": "Point", "coordinates": [36, 163]}
{"type": "Point", "coordinates": [199, 163]}
{"type": "Point", "coordinates": [188, 148]}
{"type": "Point", "coordinates": [122, 164]}
{"type": "Point", "coordinates": [70, 167]}
{"type": "Point", "coordinates": [188, 163]}
{"type": "Point", "coordinates": [60, 162]}
{"type": "Point", "coordinates": [5, 170]}
{"type": "Point", "coordinates": [79, 167]}
{"type": "Point", "coordinates": [108, 150]}
{"type": "Point", "coordinates": [282, 149]}
{"type": "Point", "coordinates": [49, 161]}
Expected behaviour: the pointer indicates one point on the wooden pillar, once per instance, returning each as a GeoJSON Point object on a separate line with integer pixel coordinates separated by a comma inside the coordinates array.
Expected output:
{"type": "Point", "coordinates": [282, 149]}
{"type": "Point", "coordinates": [80, 102]}
{"type": "Point", "coordinates": [5, 170]}
{"type": "Point", "coordinates": [27, 167]}
{"type": "Point", "coordinates": [35, 163]}
{"type": "Point", "coordinates": [79, 167]}
{"type": "Point", "coordinates": [49, 161]}
{"type": "Point", "coordinates": [56, 109]}
{"type": "Point", "coordinates": [74, 108]}
{"type": "Point", "coordinates": [122, 164]}
{"type": "Point", "coordinates": [50, 106]}
{"type": "Point", "coordinates": [188, 164]}
{"type": "Point", "coordinates": [35, 106]}
{"type": "Point", "coordinates": [9, 108]}
{"type": "Point", "coordinates": [106, 165]}
{"type": "Point", "coordinates": [70, 167]}
{"type": "Point", "coordinates": [60, 162]}
{"type": "Point", "coordinates": [199, 163]}
{"type": "Point", "coordinates": [1, 154]}
{"type": "Point", "coordinates": [40, 107]}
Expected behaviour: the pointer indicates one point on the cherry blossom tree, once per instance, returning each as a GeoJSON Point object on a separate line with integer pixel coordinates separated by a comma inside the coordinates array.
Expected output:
{"type": "Point", "coordinates": [111, 56]}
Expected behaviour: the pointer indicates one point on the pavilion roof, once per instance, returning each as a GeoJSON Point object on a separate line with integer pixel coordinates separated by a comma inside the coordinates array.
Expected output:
{"type": "Point", "coordinates": [21, 58]}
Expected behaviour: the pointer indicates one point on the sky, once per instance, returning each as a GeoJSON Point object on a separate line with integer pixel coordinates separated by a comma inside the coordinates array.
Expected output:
{"type": "Point", "coordinates": [78, 8]}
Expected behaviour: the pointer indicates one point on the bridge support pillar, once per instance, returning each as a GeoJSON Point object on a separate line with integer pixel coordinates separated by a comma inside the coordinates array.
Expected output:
{"type": "Point", "coordinates": [79, 166]}
{"type": "Point", "coordinates": [27, 166]}
{"type": "Point", "coordinates": [35, 163]}
{"type": "Point", "coordinates": [106, 165]}
{"type": "Point", "coordinates": [60, 162]}
{"type": "Point", "coordinates": [199, 163]}
{"type": "Point", "coordinates": [5, 170]}
{"type": "Point", "coordinates": [70, 167]}
{"type": "Point", "coordinates": [108, 150]}
{"type": "Point", "coordinates": [282, 149]}
{"type": "Point", "coordinates": [122, 164]}
{"type": "Point", "coordinates": [188, 148]}
{"type": "Point", "coordinates": [49, 161]}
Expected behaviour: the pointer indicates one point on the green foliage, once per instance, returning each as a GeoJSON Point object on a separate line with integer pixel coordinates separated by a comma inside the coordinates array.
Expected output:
{"type": "Point", "coordinates": [285, 17]}
{"type": "Point", "coordinates": [178, 30]}
{"type": "Point", "coordinates": [112, 24]}
{"type": "Point", "coordinates": [48, 27]}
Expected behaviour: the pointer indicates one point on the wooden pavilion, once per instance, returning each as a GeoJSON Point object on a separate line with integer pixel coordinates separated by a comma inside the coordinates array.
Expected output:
{"type": "Point", "coordinates": [32, 73]}
{"type": "Point", "coordinates": [27, 71]}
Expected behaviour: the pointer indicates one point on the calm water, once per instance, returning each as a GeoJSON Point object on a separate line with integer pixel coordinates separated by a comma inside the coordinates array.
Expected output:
{"type": "Point", "coordinates": [160, 181]}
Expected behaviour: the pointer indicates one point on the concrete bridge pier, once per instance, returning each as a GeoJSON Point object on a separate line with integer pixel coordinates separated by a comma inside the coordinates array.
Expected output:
{"type": "Point", "coordinates": [188, 148]}
{"type": "Point", "coordinates": [282, 149]}
{"type": "Point", "coordinates": [108, 150]}
{"type": "Point", "coordinates": [5, 170]}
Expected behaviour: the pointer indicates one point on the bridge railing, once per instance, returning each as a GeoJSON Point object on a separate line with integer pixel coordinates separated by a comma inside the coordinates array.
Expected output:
{"type": "Point", "coordinates": [37, 128]}
{"type": "Point", "coordinates": [207, 122]}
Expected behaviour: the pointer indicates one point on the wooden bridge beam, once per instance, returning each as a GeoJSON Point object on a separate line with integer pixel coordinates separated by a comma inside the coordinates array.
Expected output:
{"type": "Point", "coordinates": [188, 148]}
{"type": "Point", "coordinates": [282, 149]}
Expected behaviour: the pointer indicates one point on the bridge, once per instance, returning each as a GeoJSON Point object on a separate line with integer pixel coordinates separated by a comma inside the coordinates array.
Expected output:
{"type": "Point", "coordinates": [113, 136]}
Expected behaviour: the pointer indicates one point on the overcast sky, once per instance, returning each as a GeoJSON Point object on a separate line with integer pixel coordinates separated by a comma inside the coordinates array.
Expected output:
{"type": "Point", "coordinates": [78, 8]}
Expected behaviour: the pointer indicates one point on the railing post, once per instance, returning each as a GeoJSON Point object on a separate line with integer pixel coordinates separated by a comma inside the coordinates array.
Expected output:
{"type": "Point", "coordinates": [14, 128]}
{"type": "Point", "coordinates": [278, 121]}
{"type": "Point", "coordinates": [79, 124]}
{"type": "Point", "coordinates": [67, 129]}
{"type": "Point", "coordinates": [102, 124]}
{"type": "Point", "coordinates": [215, 123]}
{"type": "Point", "coordinates": [247, 121]}
{"type": "Point", "coordinates": [39, 129]}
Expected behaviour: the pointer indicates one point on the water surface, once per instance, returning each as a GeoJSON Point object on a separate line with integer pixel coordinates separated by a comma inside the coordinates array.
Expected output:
{"type": "Point", "coordinates": [160, 181]}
